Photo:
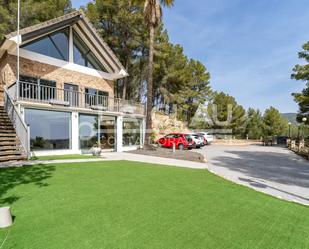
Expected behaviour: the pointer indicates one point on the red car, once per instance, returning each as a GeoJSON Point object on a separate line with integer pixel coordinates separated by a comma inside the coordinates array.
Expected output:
{"type": "Point", "coordinates": [182, 141]}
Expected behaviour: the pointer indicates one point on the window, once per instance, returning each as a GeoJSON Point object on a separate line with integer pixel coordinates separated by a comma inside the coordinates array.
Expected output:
{"type": "Point", "coordinates": [95, 97]}
{"type": "Point", "coordinates": [49, 130]}
{"type": "Point", "coordinates": [88, 131]}
{"type": "Point", "coordinates": [55, 45]}
{"type": "Point", "coordinates": [107, 132]}
{"type": "Point", "coordinates": [71, 94]}
{"type": "Point", "coordinates": [83, 56]}
{"type": "Point", "coordinates": [37, 89]}
{"type": "Point", "coordinates": [131, 132]}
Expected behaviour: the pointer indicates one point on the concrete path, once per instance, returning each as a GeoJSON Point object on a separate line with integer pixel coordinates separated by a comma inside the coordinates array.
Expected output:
{"type": "Point", "coordinates": [114, 156]}
{"type": "Point", "coordinates": [35, 162]}
{"type": "Point", "coordinates": [272, 170]}
{"type": "Point", "coordinates": [154, 160]}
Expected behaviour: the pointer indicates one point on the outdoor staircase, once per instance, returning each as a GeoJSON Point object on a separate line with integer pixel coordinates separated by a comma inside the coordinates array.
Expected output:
{"type": "Point", "coordinates": [1, 95]}
{"type": "Point", "coordinates": [10, 148]}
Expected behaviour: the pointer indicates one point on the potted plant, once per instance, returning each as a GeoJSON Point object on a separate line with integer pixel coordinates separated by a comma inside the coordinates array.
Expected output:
{"type": "Point", "coordinates": [96, 149]}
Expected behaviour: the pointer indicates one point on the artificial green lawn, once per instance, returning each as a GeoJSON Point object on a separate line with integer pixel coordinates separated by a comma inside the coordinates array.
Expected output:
{"type": "Point", "coordinates": [63, 157]}
{"type": "Point", "coordinates": [133, 205]}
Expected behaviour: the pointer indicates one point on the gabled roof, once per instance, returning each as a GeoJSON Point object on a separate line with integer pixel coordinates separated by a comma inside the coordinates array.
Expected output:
{"type": "Point", "coordinates": [68, 19]}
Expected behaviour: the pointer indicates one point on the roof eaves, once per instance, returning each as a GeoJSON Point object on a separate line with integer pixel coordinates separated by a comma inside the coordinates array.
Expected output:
{"type": "Point", "coordinates": [44, 24]}
{"type": "Point", "coordinates": [104, 44]}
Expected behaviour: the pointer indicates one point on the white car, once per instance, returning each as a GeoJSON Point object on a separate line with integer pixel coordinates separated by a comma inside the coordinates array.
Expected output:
{"type": "Point", "coordinates": [198, 141]}
{"type": "Point", "coordinates": [209, 138]}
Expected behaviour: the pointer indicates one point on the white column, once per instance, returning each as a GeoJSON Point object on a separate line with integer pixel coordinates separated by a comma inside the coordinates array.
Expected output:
{"type": "Point", "coordinates": [75, 132]}
{"type": "Point", "coordinates": [143, 133]}
{"type": "Point", "coordinates": [71, 51]}
{"type": "Point", "coordinates": [119, 134]}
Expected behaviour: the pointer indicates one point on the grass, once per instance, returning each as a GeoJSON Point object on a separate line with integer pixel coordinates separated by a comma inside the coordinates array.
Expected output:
{"type": "Point", "coordinates": [134, 205]}
{"type": "Point", "coordinates": [62, 157]}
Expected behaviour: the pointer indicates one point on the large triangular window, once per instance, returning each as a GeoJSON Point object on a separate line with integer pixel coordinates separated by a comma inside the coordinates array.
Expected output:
{"type": "Point", "coordinates": [83, 56]}
{"type": "Point", "coordinates": [55, 45]}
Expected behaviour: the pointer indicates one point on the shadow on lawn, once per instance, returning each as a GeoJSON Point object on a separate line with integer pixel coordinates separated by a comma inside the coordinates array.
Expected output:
{"type": "Point", "coordinates": [13, 177]}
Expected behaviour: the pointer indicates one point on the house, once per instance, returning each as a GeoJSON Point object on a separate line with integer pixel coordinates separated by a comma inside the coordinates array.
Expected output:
{"type": "Point", "coordinates": [64, 101]}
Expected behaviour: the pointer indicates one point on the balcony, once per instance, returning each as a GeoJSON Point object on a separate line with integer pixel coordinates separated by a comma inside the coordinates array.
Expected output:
{"type": "Point", "coordinates": [31, 92]}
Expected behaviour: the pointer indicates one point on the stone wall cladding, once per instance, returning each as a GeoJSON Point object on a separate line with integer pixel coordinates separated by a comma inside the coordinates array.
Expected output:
{"type": "Point", "coordinates": [164, 124]}
{"type": "Point", "coordinates": [49, 72]}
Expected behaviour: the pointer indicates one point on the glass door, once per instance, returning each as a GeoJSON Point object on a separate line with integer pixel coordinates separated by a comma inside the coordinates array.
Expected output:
{"type": "Point", "coordinates": [108, 132]}
{"type": "Point", "coordinates": [71, 94]}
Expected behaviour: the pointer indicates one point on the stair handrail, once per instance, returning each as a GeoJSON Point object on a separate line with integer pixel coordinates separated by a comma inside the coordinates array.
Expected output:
{"type": "Point", "coordinates": [21, 128]}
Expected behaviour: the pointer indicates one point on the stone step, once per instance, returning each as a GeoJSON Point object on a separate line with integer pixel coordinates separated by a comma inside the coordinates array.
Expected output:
{"type": "Point", "coordinates": [7, 131]}
{"type": "Point", "coordinates": [6, 127]}
{"type": "Point", "coordinates": [5, 123]}
{"type": "Point", "coordinates": [8, 139]}
{"type": "Point", "coordinates": [9, 143]}
{"type": "Point", "coordinates": [8, 148]}
{"type": "Point", "coordinates": [13, 134]}
{"type": "Point", "coordinates": [12, 158]}
{"type": "Point", "coordinates": [9, 153]}
{"type": "Point", "coordinates": [5, 118]}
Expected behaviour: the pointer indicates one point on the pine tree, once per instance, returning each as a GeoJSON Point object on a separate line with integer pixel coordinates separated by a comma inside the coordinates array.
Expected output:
{"type": "Point", "coordinates": [31, 12]}
{"type": "Point", "coordinates": [254, 124]}
{"type": "Point", "coordinates": [273, 123]}
{"type": "Point", "coordinates": [301, 72]}
{"type": "Point", "coordinates": [226, 113]}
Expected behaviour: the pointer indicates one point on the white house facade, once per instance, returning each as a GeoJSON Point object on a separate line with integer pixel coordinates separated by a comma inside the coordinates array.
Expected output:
{"type": "Point", "coordinates": [62, 100]}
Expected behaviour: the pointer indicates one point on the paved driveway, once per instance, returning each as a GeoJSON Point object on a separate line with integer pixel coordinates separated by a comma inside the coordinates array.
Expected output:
{"type": "Point", "coordinates": [273, 170]}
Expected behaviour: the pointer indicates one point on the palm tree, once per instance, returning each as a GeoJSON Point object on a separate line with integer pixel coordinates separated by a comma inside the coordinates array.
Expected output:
{"type": "Point", "coordinates": [153, 17]}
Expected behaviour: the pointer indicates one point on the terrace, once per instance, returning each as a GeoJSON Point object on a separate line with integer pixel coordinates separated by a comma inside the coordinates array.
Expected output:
{"type": "Point", "coordinates": [31, 92]}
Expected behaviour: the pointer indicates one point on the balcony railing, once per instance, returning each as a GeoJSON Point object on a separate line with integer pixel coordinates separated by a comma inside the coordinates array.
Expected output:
{"type": "Point", "coordinates": [56, 96]}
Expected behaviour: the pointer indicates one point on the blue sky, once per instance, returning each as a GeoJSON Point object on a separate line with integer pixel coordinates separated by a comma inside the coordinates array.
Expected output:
{"type": "Point", "coordinates": [249, 47]}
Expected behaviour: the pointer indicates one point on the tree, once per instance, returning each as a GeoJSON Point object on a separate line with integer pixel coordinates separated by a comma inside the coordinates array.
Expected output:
{"type": "Point", "coordinates": [32, 12]}
{"type": "Point", "coordinates": [301, 72]}
{"type": "Point", "coordinates": [153, 15]}
{"type": "Point", "coordinates": [254, 124]}
{"type": "Point", "coordinates": [197, 90]}
{"type": "Point", "coordinates": [225, 113]}
{"type": "Point", "coordinates": [273, 123]}
{"type": "Point", "coordinates": [176, 78]}
{"type": "Point", "coordinates": [120, 23]}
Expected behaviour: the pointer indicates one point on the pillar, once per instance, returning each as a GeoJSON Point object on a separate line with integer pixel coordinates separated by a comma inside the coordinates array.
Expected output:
{"type": "Point", "coordinates": [75, 132]}
{"type": "Point", "coordinates": [119, 134]}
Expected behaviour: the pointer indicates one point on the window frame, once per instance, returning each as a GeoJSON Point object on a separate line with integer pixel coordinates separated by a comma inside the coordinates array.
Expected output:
{"type": "Point", "coordinates": [105, 67]}
{"type": "Point", "coordinates": [70, 132]}
{"type": "Point", "coordinates": [85, 55]}
{"type": "Point", "coordinates": [65, 30]}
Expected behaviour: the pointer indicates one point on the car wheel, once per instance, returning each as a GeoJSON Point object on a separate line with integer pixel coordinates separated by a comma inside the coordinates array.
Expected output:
{"type": "Point", "coordinates": [181, 146]}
